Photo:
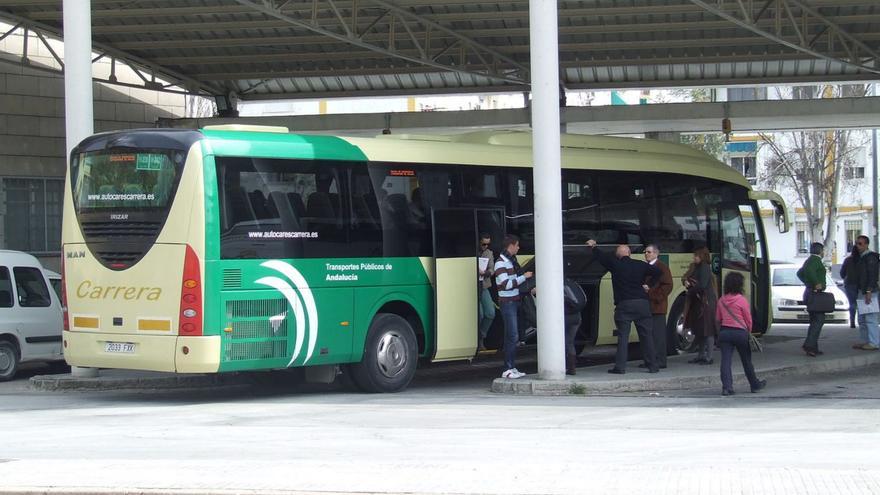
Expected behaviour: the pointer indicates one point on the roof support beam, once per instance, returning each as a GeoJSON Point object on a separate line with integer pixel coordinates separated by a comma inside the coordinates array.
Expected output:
{"type": "Point", "coordinates": [517, 74]}
{"type": "Point", "coordinates": [836, 34]}
{"type": "Point", "coordinates": [189, 84]}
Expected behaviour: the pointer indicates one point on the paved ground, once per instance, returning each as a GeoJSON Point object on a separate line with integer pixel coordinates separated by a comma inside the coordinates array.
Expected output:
{"type": "Point", "coordinates": [446, 434]}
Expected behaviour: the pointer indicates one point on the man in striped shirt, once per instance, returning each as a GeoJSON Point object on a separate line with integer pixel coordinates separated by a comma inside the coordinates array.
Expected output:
{"type": "Point", "coordinates": [508, 281]}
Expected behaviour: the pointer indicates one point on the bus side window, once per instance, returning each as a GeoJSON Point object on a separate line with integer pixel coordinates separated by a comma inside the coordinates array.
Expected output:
{"type": "Point", "coordinates": [579, 207]}
{"type": "Point", "coordinates": [520, 208]}
{"type": "Point", "coordinates": [626, 205]}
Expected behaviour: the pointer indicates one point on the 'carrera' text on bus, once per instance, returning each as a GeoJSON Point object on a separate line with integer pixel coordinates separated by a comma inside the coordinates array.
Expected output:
{"type": "Point", "coordinates": [91, 291]}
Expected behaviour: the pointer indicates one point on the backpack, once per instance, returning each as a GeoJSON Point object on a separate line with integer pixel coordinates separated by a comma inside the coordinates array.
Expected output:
{"type": "Point", "coordinates": [574, 298]}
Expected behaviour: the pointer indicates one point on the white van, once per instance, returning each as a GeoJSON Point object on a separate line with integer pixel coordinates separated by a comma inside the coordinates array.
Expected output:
{"type": "Point", "coordinates": [30, 313]}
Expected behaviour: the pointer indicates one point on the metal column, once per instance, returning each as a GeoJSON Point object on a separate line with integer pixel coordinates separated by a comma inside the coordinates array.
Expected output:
{"type": "Point", "coordinates": [544, 41]}
{"type": "Point", "coordinates": [78, 105]}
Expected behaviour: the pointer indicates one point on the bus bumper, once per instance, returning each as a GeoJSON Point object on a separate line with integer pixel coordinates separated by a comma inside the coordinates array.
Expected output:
{"type": "Point", "coordinates": [150, 352]}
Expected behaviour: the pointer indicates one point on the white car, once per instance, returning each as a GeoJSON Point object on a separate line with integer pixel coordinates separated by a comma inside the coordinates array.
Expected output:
{"type": "Point", "coordinates": [788, 297]}
{"type": "Point", "coordinates": [30, 313]}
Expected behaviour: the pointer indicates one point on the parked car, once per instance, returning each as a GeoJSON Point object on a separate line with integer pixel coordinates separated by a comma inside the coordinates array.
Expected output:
{"type": "Point", "coordinates": [787, 294]}
{"type": "Point", "coordinates": [30, 313]}
{"type": "Point", "coordinates": [835, 274]}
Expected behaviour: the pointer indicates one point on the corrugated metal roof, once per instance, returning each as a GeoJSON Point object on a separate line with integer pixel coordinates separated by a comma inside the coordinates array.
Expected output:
{"type": "Point", "coordinates": [323, 48]}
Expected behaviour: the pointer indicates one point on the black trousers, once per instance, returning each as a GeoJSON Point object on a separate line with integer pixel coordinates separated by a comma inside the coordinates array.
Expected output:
{"type": "Point", "coordinates": [658, 327]}
{"type": "Point", "coordinates": [626, 313]}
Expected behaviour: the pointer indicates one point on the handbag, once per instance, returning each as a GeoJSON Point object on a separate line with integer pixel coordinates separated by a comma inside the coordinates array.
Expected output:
{"type": "Point", "coordinates": [820, 302]}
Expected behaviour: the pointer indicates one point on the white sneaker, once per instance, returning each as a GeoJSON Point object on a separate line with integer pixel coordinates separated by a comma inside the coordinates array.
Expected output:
{"type": "Point", "coordinates": [512, 373]}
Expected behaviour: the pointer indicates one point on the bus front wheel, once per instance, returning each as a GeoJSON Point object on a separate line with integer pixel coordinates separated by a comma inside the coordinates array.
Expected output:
{"type": "Point", "coordinates": [8, 360]}
{"type": "Point", "coordinates": [390, 355]}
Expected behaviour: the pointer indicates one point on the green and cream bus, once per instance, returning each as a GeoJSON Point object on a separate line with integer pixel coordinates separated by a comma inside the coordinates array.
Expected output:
{"type": "Point", "coordinates": [241, 248]}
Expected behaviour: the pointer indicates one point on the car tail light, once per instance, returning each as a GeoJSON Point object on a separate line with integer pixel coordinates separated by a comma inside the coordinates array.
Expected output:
{"type": "Point", "coordinates": [190, 296]}
{"type": "Point", "coordinates": [65, 322]}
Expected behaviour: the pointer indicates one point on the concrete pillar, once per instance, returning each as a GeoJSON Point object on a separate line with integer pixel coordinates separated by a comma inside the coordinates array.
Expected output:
{"type": "Point", "coordinates": [544, 46]}
{"type": "Point", "coordinates": [78, 100]}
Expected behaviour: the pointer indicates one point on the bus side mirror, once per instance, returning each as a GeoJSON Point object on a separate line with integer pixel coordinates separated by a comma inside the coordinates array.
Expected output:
{"type": "Point", "coordinates": [781, 217]}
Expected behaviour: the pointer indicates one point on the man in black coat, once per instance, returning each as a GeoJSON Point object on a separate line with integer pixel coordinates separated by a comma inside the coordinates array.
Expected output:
{"type": "Point", "coordinates": [631, 304]}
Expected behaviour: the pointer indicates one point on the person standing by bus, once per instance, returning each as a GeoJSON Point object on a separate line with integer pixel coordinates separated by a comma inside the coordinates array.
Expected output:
{"type": "Point", "coordinates": [851, 283]}
{"type": "Point", "coordinates": [812, 273]}
{"type": "Point", "coordinates": [631, 303]}
{"type": "Point", "coordinates": [485, 305]}
{"type": "Point", "coordinates": [866, 279]}
{"type": "Point", "coordinates": [508, 280]}
{"type": "Point", "coordinates": [699, 306]}
{"type": "Point", "coordinates": [658, 290]}
{"type": "Point", "coordinates": [574, 302]}
{"type": "Point", "coordinates": [734, 316]}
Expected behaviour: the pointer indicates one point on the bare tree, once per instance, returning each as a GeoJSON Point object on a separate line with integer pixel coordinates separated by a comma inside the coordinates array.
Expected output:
{"type": "Point", "coordinates": [199, 107]}
{"type": "Point", "coordinates": [811, 163]}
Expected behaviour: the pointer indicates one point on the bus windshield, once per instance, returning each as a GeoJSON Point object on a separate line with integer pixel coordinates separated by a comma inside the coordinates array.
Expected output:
{"type": "Point", "coordinates": [125, 179]}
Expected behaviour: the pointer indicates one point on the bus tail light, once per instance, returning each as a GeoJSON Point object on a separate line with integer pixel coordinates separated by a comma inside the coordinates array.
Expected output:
{"type": "Point", "coordinates": [65, 323]}
{"type": "Point", "coordinates": [190, 296]}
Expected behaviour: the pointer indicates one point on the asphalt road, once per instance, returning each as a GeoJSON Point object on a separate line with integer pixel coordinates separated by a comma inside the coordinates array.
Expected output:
{"type": "Point", "coordinates": [446, 434]}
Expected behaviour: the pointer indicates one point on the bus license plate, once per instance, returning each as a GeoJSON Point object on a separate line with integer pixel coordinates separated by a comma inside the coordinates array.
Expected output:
{"type": "Point", "coordinates": [119, 347]}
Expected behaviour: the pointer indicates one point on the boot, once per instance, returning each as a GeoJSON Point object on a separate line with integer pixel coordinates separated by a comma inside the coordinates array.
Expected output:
{"type": "Point", "coordinates": [570, 364]}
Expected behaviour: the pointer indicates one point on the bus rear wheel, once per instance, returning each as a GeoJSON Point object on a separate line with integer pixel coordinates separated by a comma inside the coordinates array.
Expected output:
{"type": "Point", "coordinates": [8, 360]}
{"type": "Point", "coordinates": [390, 356]}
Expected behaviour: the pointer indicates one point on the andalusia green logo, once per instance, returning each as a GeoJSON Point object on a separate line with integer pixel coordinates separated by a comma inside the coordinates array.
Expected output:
{"type": "Point", "coordinates": [301, 301]}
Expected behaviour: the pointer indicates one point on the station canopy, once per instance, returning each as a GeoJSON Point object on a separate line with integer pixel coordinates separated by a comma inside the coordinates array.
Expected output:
{"type": "Point", "coordinates": [265, 49]}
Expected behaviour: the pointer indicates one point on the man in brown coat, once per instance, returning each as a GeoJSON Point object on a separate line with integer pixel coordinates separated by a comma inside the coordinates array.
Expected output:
{"type": "Point", "coordinates": [658, 295]}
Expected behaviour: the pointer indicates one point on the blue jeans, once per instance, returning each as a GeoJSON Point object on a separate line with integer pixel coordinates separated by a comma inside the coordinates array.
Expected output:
{"type": "Point", "coordinates": [869, 325]}
{"type": "Point", "coordinates": [730, 339]}
{"type": "Point", "coordinates": [486, 310]}
{"type": "Point", "coordinates": [509, 310]}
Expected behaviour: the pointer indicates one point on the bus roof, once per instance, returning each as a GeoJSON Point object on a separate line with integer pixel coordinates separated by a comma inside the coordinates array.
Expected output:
{"type": "Point", "coordinates": [484, 147]}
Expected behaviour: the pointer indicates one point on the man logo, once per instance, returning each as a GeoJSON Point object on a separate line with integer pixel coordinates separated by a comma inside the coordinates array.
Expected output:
{"type": "Point", "coordinates": [75, 254]}
{"type": "Point", "coordinates": [301, 301]}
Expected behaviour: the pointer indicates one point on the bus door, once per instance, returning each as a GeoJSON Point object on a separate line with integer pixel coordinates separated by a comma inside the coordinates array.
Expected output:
{"type": "Point", "coordinates": [455, 283]}
{"type": "Point", "coordinates": [760, 264]}
{"type": "Point", "coordinates": [738, 253]}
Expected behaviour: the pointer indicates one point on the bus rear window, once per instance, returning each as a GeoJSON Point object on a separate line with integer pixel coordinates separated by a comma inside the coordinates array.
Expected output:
{"type": "Point", "coordinates": [125, 179]}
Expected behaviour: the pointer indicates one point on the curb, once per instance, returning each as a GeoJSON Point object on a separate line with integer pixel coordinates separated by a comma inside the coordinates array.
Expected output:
{"type": "Point", "coordinates": [533, 386]}
{"type": "Point", "coordinates": [174, 491]}
{"type": "Point", "coordinates": [169, 381]}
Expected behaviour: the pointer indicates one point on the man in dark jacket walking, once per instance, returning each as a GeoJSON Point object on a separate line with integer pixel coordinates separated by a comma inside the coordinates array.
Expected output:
{"type": "Point", "coordinates": [630, 303]}
{"type": "Point", "coordinates": [866, 281]}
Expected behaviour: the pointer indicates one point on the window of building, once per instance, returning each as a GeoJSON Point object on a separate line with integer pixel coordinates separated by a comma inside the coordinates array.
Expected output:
{"type": "Point", "coordinates": [746, 165]}
{"type": "Point", "coordinates": [803, 242]}
{"type": "Point", "coordinates": [33, 214]}
{"type": "Point", "coordinates": [854, 172]}
{"type": "Point", "coordinates": [853, 230]}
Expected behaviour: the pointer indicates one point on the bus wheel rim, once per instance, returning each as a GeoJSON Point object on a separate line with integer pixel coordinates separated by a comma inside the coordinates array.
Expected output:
{"type": "Point", "coordinates": [686, 336]}
{"type": "Point", "coordinates": [391, 354]}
